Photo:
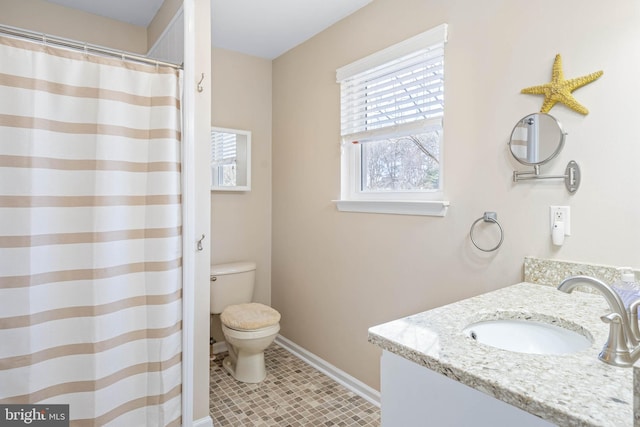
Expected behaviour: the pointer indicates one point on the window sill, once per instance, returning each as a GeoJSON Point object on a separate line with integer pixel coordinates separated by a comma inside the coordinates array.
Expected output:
{"type": "Point", "coordinates": [426, 208]}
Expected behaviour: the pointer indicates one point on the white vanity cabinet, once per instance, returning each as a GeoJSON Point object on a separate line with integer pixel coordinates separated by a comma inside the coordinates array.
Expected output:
{"type": "Point", "coordinates": [415, 396]}
{"type": "Point", "coordinates": [492, 387]}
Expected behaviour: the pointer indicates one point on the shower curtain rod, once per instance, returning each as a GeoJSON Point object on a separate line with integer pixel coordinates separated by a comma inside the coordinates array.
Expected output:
{"type": "Point", "coordinates": [84, 47]}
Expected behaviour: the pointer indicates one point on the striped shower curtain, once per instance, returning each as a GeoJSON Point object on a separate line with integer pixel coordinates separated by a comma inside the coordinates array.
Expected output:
{"type": "Point", "coordinates": [90, 235]}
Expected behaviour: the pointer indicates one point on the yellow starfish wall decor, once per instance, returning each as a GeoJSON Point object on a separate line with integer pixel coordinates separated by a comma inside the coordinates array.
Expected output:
{"type": "Point", "coordinates": [559, 89]}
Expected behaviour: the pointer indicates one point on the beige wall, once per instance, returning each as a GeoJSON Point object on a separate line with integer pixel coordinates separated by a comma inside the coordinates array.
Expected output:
{"type": "Point", "coordinates": [336, 274]}
{"type": "Point", "coordinates": [161, 20]}
{"type": "Point", "coordinates": [53, 19]}
{"type": "Point", "coordinates": [60, 21]}
{"type": "Point", "coordinates": [241, 221]}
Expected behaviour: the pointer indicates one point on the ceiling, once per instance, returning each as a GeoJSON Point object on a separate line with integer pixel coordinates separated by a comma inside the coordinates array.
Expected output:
{"type": "Point", "coordinates": [263, 28]}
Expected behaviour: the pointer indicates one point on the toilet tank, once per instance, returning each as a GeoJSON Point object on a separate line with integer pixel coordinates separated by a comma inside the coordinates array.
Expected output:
{"type": "Point", "coordinates": [231, 284]}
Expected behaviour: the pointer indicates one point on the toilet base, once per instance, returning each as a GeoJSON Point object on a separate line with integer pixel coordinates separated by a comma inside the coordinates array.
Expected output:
{"type": "Point", "coordinates": [245, 362]}
{"type": "Point", "coordinates": [246, 369]}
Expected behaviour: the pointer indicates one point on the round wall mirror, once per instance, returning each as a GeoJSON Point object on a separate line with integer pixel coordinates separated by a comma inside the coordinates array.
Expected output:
{"type": "Point", "coordinates": [536, 139]}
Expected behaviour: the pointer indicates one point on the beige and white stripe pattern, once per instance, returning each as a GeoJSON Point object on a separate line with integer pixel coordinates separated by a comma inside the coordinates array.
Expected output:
{"type": "Point", "coordinates": [90, 235]}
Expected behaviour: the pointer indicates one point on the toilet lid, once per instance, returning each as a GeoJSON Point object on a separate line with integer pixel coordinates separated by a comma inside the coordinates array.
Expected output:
{"type": "Point", "coordinates": [249, 316]}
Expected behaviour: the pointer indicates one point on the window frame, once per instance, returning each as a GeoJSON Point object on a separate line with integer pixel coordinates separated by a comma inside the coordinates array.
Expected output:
{"type": "Point", "coordinates": [352, 198]}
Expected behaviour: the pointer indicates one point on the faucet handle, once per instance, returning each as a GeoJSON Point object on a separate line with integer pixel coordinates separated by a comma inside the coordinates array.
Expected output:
{"type": "Point", "coordinates": [616, 350]}
{"type": "Point", "coordinates": [633, 307]}
{"type": "Point", "coordinates": [633, 322]}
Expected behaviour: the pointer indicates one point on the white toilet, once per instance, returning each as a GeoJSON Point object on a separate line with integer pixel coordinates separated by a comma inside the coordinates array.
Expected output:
{"type": "Point", "coordinates": [248, 328]}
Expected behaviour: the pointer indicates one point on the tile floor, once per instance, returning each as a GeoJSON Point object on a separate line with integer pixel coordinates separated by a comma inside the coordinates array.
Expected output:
{"type": "Point", "coordinates": [293, 394]}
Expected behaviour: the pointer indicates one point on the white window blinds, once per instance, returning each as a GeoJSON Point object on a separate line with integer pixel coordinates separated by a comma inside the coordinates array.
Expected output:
{"type": "Point", "coordinates": [398, 89]}
{"type": "Point", "coordinates": [223, 148]}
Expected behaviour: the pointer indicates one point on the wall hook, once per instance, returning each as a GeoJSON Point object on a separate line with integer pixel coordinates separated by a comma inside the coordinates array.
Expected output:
{"type": "Point", "coordinates": [200, 87]}
{"type": "Point", "coordinates": [200, 243]}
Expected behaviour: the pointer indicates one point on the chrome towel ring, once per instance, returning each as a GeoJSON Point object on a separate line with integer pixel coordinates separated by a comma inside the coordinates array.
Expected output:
{"type": "Point", "coordinates": [487, 217]}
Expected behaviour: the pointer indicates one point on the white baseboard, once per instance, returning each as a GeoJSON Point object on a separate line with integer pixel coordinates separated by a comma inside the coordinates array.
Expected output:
{"type": "Point", "coordinates": [203, 422]}
{"type": "Point", "coordinates": [358, 387]}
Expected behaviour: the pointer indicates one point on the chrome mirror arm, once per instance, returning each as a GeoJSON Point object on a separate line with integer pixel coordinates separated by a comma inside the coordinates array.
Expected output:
{"type": "Point", "coordinates": [571, 176]}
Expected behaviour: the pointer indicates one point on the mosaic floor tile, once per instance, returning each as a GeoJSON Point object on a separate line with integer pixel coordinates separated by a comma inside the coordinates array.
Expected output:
{"type": "Point", "coordinates": [294, 394]}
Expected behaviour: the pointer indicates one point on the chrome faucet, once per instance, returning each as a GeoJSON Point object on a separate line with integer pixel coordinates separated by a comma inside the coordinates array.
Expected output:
{"type": "Point", "coordinates": [622, 347]}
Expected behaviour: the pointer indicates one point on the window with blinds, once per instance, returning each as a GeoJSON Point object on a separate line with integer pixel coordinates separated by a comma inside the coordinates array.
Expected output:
{"type": "Point", "coordinates": [392, 106]}
{"type": "Point", "coordinates": [223, 158]}
{"type": "Point", "coordinates": [407, 90]}
{"type": "Point", "coordinates": [230, 159]}
{"type": "Point", "coordinates": [223, 148]}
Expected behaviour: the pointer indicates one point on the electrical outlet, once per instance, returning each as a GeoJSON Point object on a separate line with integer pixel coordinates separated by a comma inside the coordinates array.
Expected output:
{"type": "Point", "coordinates": [561, 214]}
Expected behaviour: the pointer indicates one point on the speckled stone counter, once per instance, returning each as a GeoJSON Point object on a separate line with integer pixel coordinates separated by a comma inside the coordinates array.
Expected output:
{"type": "Point", "coordinates": [552, 272]}
{"type": "Point", "coordinates": [568, 390]}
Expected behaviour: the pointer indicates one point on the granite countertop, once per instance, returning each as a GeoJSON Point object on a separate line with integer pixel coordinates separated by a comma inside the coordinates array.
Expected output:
{"type": "Point", "coordinates": [568, 390]}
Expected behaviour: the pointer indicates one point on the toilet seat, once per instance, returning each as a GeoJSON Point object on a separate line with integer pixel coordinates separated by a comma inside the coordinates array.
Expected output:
{"type": "Point", "coordinates": [249, 317]}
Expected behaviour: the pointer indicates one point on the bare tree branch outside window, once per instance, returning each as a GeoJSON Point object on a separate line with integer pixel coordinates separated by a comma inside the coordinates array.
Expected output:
{"type": "Point", "coordinates": [402, 164]}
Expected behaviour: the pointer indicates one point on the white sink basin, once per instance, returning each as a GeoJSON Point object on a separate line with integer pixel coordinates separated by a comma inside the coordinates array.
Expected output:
{"type": "Point", "coordinates": [527, 336]}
